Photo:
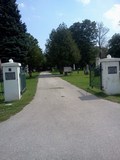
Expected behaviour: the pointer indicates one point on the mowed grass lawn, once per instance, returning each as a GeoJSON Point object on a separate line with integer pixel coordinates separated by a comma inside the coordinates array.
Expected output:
{"type": "Point", "coordinates": [11, 108]}
{"type": "Point", "coordinates": [82, 81]}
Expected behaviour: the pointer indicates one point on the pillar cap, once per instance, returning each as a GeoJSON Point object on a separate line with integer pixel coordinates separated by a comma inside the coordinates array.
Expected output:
{"type": "Point", "coordinates": [109, 56]}
{"type": "Point", "coordinates": [11, 61]}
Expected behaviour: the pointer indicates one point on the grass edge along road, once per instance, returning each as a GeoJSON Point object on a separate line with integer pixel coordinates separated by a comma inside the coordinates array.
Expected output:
{"type": "Point", "coordinates": [81, 80]}
{"type": "Point", "coordinates": [6, 110]}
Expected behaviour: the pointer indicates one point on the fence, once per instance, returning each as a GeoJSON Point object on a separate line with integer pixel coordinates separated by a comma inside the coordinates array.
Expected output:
{"type": "Point", "coordinates": [96, 77]}
{"type": "Point", "coordinates": [1, 86]}
{"type": "Point", "coordinates": [22, 80]}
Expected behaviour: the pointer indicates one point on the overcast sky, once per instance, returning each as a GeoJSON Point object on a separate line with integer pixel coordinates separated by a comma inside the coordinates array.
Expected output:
{"type": "Point", "coordinates": [41, 16]}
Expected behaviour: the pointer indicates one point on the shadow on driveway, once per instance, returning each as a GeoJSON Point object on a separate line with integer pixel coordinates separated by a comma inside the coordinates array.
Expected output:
{"type": "Point", "coordinates": [49, 75]}
{"type": "Point", "coordinates": [87, 96]}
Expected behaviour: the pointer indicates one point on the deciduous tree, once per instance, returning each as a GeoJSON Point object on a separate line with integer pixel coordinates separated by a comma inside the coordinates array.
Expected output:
{"type": "Point", "coordinates": [114, 46]}
{"type": "Point", "coordinates": [101, 37]}
{"type": "Point", "coordinates": [85, 35]}
{"type": "Point", "coordinates": [34, 58]}
{"type": "Point", "coordinates": [61, 49]}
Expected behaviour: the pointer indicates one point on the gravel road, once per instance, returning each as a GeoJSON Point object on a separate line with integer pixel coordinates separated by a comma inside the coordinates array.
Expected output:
{"type": "Point", "coordinates": [63, 122]}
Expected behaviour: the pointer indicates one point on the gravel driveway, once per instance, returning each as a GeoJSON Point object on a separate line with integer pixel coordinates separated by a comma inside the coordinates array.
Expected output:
{"type": "Point", "coordinates": [63, 122]}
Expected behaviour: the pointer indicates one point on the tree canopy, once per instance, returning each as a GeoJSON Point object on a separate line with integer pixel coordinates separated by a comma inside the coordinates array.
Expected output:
{"type": "Point", "coordinates": [12, 32]}
{"type": "Point", "coordinates": [15, 42]}
{"type": "Point", "coordinates": [61, 49]}
{"type": "Point", "coordinates": [85, 35]}
{"type": "Point", "coordinates": [34, 57]}
{"type": "Point", "coordinates": [114, 46]}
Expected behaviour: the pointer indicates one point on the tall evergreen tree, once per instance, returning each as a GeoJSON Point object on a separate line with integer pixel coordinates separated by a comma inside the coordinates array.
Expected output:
{"type": "Point", "coordinates": [12, 32]}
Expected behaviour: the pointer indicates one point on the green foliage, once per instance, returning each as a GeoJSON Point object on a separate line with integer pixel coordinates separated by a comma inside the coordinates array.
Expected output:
{"type": "Point", "coordinates": [114, 46]}
{"type": "Point", "coordinates": [12, 32]}
{"type": "Point", "coordinates": [94, 52]}
{"type": "Point", "coordinates": [61, 50]}
{"type": "Point", "coordinates": [15, 43]}
{"type": "Point", "coordinates": [34, 57]}
{"type": "Point", "coordinates": [85, 35]}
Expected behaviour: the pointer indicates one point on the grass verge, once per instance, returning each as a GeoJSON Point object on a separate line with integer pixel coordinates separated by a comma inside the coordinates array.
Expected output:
{"type": "Point", "coordinates": [6, 110]}
{"type": "Point", "coordinates": [82, 81]}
